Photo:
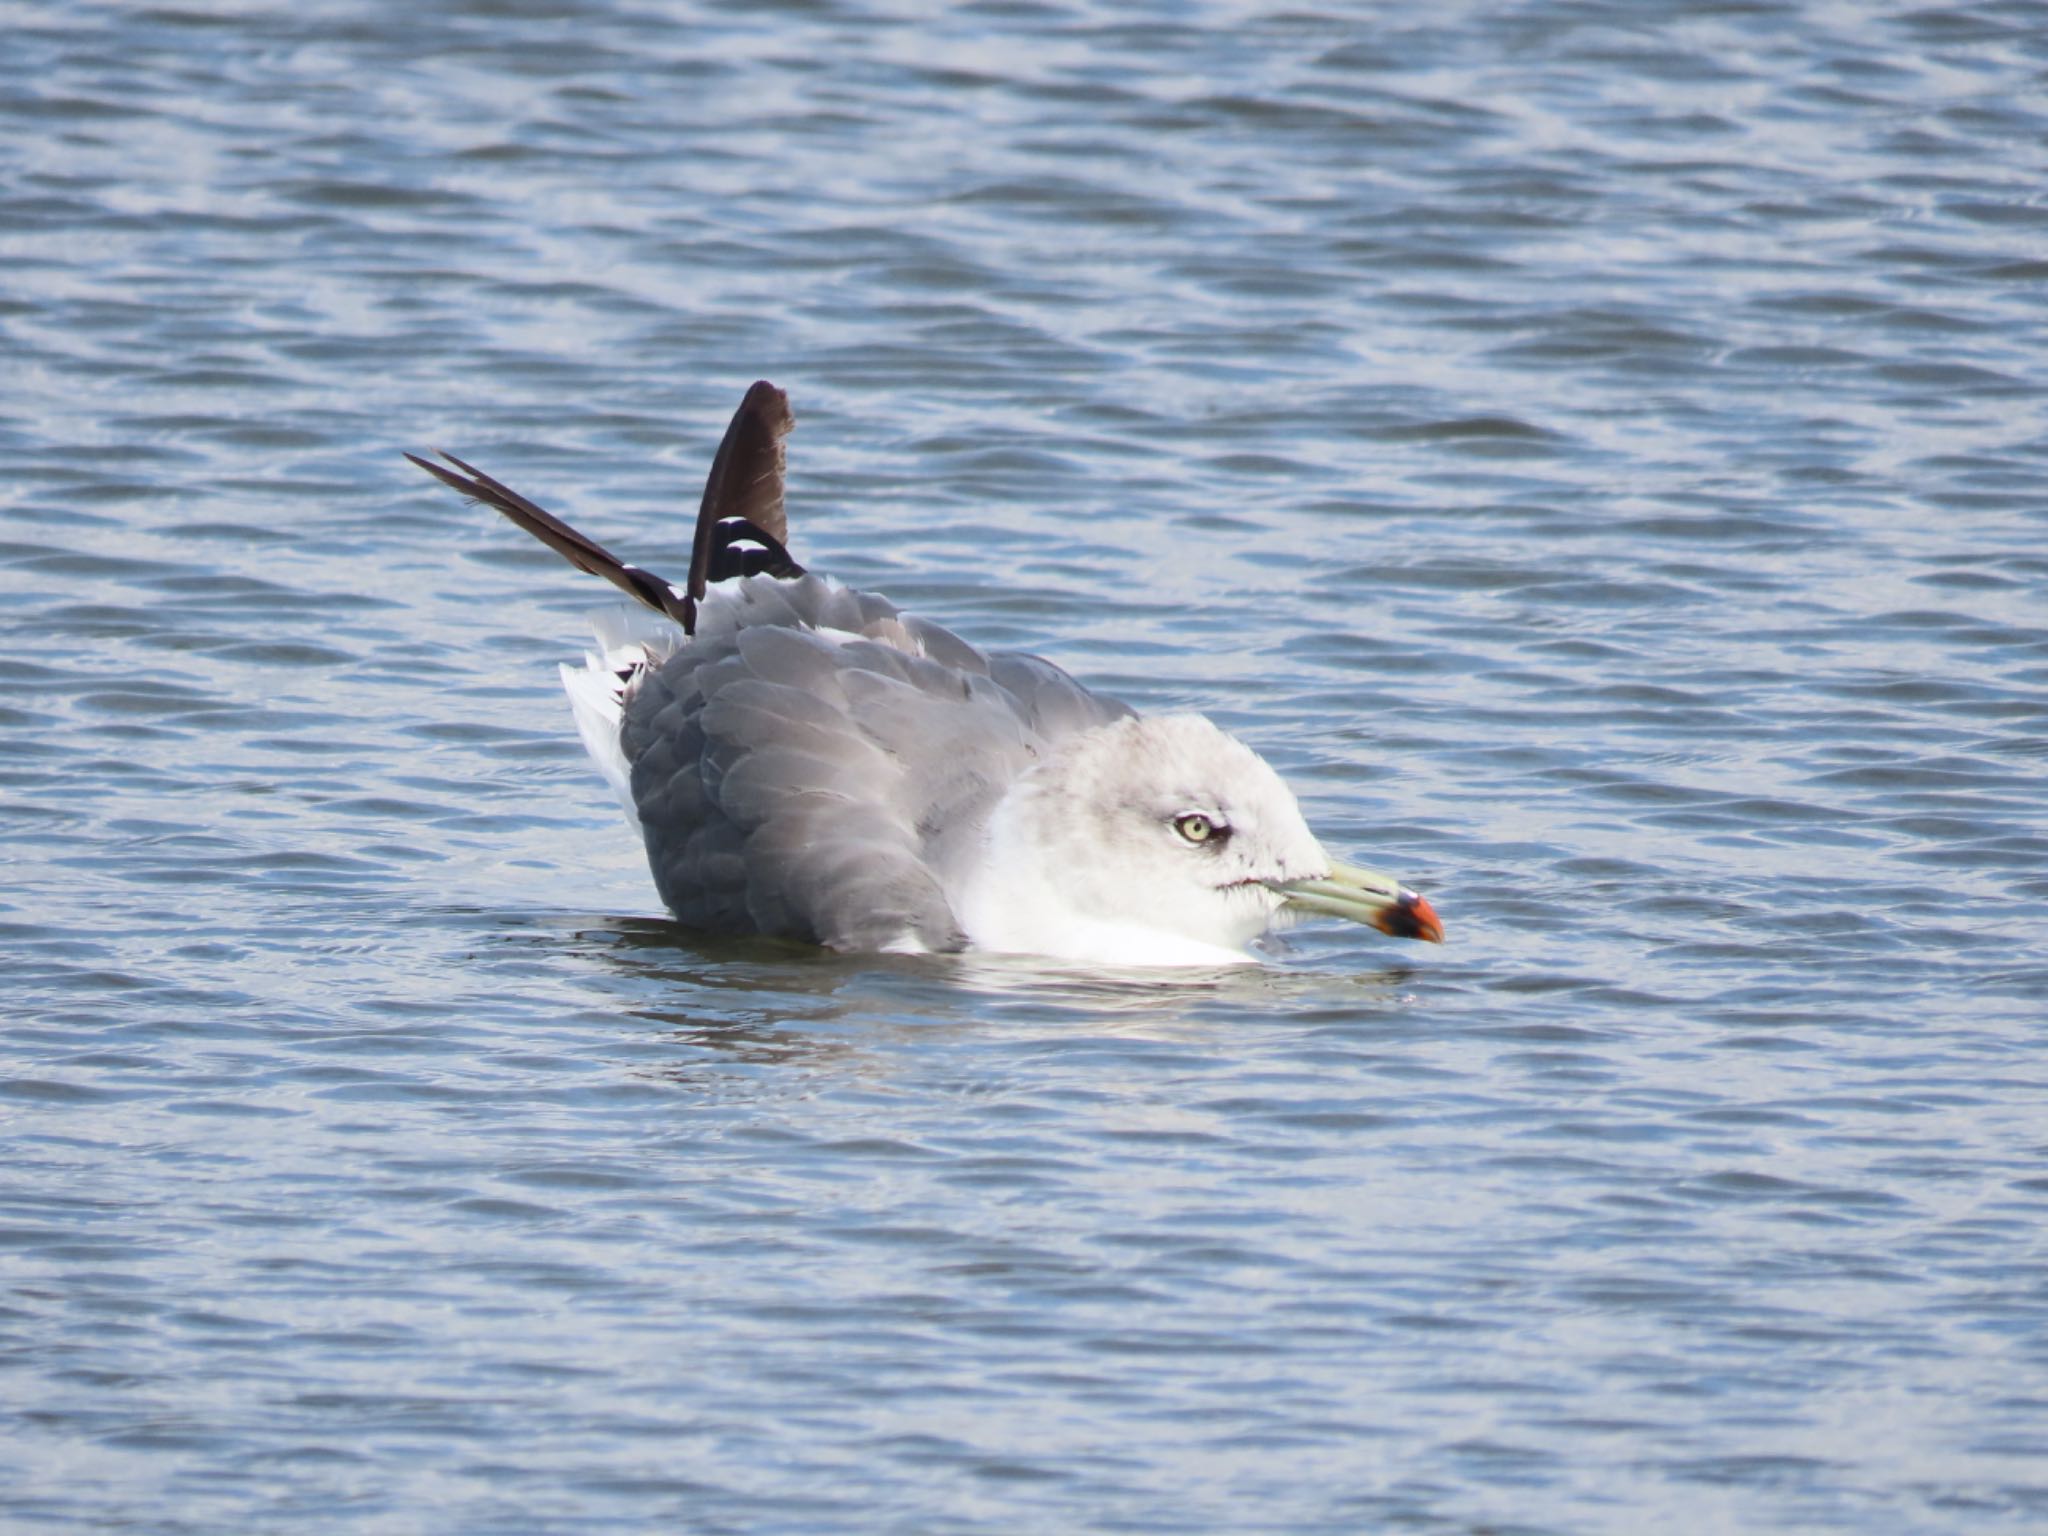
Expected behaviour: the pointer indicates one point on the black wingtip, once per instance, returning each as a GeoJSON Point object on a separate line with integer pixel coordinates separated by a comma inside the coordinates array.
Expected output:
{"type": "Point", "coordinates": [452, 481]}
{"type": "Point", "coordinates": [579, 549]}
{"type": "Point", "coordinates": [742, 506]}
{"type": "Point", "coordinates": [743, 494]}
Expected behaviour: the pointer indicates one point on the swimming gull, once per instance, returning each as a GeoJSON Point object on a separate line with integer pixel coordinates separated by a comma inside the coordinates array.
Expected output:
{"type": "Point", "coordinates": [806, 761]}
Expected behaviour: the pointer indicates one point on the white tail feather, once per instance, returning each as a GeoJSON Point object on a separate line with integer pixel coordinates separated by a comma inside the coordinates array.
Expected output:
{"type": "Point", "coordinates": [597, 691]}
{"type": "Point", "coordinates": [653, 636]}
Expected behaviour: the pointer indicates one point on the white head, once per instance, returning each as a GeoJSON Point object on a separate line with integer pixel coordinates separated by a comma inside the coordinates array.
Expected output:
{"type": "Point", "coordinates": [1154, 840]}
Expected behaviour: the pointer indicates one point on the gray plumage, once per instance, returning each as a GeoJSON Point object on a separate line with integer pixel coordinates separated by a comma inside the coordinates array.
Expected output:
{"type": "Point", "coordinates": [801, 785]}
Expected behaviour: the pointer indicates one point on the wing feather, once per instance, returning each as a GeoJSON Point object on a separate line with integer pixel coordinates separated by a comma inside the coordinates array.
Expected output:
{"type": "Point", "coordinates": [815, 766]}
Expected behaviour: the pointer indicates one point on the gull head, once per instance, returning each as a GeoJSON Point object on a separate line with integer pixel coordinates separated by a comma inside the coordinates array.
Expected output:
{"type": "Point", "coordinates": [1162, 840]}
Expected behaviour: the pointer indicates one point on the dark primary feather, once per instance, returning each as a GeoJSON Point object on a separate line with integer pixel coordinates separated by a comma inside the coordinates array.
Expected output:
{"type": "Point", "coordinates": [746, 482]}
{"type": "Point", "coordinates": [743, 502]}
{"type": "Point", "coordinates": [586, 554]}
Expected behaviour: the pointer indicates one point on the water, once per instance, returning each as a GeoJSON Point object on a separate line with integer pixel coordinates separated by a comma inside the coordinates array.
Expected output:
{"type": "Point", "coordinates": [1600, 459]}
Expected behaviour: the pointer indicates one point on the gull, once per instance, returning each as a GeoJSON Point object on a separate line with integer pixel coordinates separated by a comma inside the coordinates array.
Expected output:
{"type": "Point", "coordinates": [806, 761]}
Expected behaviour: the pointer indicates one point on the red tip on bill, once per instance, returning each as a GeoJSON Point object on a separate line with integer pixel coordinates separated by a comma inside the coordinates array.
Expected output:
{"type": "Point", "coordinates": [1412, 917]}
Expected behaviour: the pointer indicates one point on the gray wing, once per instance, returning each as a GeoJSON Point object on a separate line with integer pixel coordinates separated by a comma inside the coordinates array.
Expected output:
{"type": "Point", "coordinates": [829, 787]}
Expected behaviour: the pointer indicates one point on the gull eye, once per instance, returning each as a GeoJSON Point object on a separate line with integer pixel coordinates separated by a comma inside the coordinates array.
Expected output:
{"type": "Point", "coordinates": [1195, 827]}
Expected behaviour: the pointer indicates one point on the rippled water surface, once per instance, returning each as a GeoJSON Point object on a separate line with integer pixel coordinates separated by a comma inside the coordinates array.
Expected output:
{"type": "Point", "coordinates": [1602, 460]}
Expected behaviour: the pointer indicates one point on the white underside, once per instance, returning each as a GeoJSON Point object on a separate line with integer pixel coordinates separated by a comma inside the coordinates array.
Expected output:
{"type": "Point", "coordinates": [1068, 937]}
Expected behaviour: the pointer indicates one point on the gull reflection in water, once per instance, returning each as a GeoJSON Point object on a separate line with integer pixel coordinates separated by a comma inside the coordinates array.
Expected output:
{"type": "Point", "coordinates": [763, 1003]}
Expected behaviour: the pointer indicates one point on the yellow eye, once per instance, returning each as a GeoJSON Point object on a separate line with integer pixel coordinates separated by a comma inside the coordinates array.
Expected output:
{"type": "Point", "coordinates": [1194, 826]}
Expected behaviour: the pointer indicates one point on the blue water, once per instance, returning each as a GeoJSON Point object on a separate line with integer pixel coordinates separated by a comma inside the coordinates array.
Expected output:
{"type": "Point", "coordinates": [1598, 452]}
